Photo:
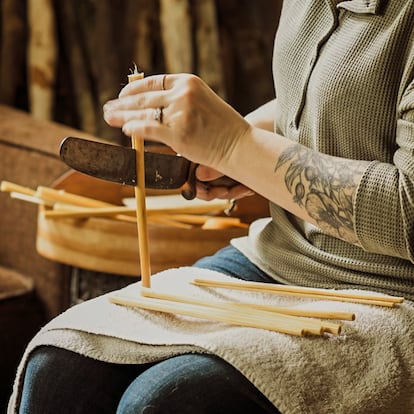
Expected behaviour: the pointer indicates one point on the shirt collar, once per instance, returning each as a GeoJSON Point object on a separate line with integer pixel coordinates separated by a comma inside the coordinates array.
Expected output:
{"type": "Point", "coordinates": [362, 6]}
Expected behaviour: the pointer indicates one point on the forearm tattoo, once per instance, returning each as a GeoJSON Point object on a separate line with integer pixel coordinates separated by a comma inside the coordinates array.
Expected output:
{"type": "Point", "coordinates": [325, 186]}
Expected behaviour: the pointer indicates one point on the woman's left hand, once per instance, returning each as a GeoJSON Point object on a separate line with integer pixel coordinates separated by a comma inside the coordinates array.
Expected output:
{"type": "Point", "coordinates": [181, 111]}
{"type": "Point", "coordinates": [206, 191]}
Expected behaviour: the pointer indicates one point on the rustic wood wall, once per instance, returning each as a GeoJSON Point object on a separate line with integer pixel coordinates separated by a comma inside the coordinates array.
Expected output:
{"type": "Point", "coordinates": [62, 60]}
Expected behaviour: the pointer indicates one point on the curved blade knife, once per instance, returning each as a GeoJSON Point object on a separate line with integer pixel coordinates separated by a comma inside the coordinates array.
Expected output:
{"type": "Point", "coordinates": [118, 164]}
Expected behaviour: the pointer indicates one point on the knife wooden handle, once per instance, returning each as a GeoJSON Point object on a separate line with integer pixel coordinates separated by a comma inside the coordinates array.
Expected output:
{"type": "Point", "coordinates": [189, 192]}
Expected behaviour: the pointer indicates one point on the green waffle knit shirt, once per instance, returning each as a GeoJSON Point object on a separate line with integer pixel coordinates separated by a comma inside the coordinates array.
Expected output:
{"type": "Point", "coordinates": [344, 82]}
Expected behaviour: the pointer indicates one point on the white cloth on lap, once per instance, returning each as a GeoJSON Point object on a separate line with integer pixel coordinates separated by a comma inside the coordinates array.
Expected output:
{"type": "Point", "coordinates": [368, 368]}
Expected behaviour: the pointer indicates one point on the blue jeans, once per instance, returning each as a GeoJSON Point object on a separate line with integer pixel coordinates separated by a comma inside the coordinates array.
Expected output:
{"type": "Point", "coordinates": [60, 381]}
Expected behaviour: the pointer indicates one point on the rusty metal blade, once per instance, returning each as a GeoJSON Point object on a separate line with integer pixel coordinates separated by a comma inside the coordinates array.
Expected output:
{"type": "Point", "coordinates": [118, 164]}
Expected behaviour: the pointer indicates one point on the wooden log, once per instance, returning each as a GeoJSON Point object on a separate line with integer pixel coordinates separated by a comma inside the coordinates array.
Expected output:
{"type": "Point", "coordinates": [73, 43]}
{"type": "Point", "coordinates": [247, 35]}
{"type": "Point", "coordinates": [101, 57]}
{"type": "Point", "coordinates": [209, 65]}
{"type": "Point", "coordinates": [141, 17]}
{"type": "Point", "coordinates": [42, 57]}
{"type": "Point", "coordinates": [12, 57]}
{"type": "Point", "coordinates": [176, 35]}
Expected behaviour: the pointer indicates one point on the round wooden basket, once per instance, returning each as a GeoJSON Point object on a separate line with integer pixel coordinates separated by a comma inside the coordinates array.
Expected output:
{"type": "Point", "coordinates": [111, 246]}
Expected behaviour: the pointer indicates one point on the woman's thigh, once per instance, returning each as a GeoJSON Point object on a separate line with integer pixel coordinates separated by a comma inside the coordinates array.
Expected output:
{"type": "Point", "coordinates": [193, 383]}
{"type": "Point", "coordinates": [60, 381]}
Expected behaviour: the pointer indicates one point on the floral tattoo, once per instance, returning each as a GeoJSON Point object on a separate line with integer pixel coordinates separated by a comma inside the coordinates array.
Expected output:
{"type": "Point", "coordinates": [324, 186]}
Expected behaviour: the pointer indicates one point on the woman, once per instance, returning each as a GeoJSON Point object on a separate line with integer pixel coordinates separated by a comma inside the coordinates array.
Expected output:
{"type": "Point", "coordinates": [333, 155]}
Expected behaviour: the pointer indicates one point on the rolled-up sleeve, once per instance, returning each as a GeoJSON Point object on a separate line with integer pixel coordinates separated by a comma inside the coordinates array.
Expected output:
{"type": "Point", "coordinates": [384, 203]}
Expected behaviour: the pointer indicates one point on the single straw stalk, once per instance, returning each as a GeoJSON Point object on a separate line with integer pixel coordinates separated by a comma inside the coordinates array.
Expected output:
{"type": "Point", "coordinates": [9, 187]}
{"type": "Point", "coordinates": [138, 146]}
{"type": "Point", "coordinates": [361, 298]}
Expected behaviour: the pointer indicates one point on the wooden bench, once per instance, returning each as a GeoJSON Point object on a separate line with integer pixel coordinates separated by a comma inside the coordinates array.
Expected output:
{"type": "Point", "coordinates": [29, 156]}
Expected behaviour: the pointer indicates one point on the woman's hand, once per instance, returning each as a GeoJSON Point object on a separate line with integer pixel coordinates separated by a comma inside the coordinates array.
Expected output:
{"type": "Point", "coordinates": [195, 122]}
{"type": "Point", "coordinates": [206, 191]}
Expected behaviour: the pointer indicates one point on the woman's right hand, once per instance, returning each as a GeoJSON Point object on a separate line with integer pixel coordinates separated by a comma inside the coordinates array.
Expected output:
{"type": "Point", "coordinates": [194, 121]}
